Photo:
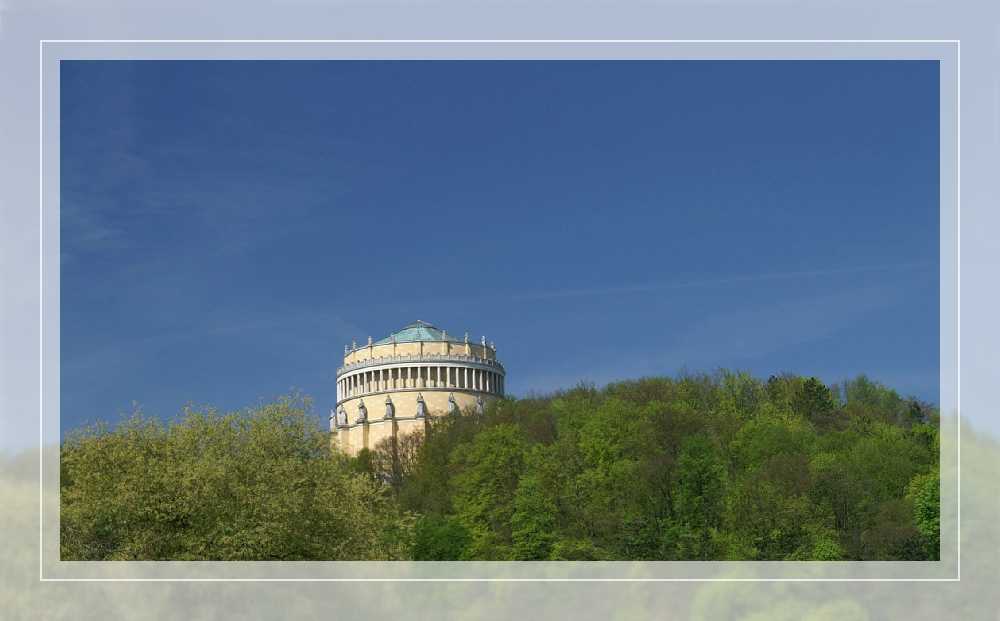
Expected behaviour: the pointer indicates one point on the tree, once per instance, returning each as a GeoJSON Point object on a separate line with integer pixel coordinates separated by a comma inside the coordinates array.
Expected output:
{"type": "Point", "coordinates": [925, 492]}
{"type": "Point", "coordinates": [886, 404]}
{"type": "Point", "coordinates": [436, 538]}
{"type": "Point", "coordinates": [862, 482]}
{"type": "Point", "coordinates": [611, 444]}
{"type": "Point", "coordinates": [741, 394]}
{"type": "Point", "coordinates": [428, 490]}
{"type": "Point", "coordinates": [717, 466]}
{"type": "Point", "coordinates": [770, 518]}
{"type": "Point", "coordinates": [815, 398]}
{"type": "Point", "coordinates": [395, 458]}
{"type": "Point", "coordinates": [258, 485]}
{"type": "Point", "coordinates": [363, 464]}
{"type": "Point", "coordinates": [533, 522]}
{"type": "Point", "coordinates": [488, 471]}
{"type": "Point", "coordinates": [701, 479]}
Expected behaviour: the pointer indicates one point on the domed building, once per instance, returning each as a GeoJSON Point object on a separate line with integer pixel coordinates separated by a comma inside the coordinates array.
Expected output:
{"type": "Point", "coordinates": [397, 384]}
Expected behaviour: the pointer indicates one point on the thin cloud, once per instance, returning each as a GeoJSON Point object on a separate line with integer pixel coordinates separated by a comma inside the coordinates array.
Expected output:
{"type": "Point", "coordinates": [713, 282]}
{"type": "Point", "coordinates": [762, 331]}
{"type": "Point", "coordinates": [669, 286]}
{"type": "Point", "coordinates": [730, 339]}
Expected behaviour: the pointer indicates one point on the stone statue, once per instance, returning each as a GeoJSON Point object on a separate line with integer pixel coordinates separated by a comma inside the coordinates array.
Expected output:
{"type": "Point", "coordinates": [390, 411]}
{"type": "Point", "coordinates": [421, 408]}
{"type": "Point", "coordinates": [345, 350]}
{"type": "Point", "coordinates": [342, 417]}
{"type": "Point", "coordinates": [362, 412]}
{"type": "Point", "coordinates": [452, 406]}
{"type": "Point", "coordinates": [466, 337]}
{"type": "Point", "coordinates": [484, 340]}
{"type": "Point", "coordinates": [479, 405]}
{"type": "Point", "coordinates": [354, 345]}
{"type": "Point", "coordinates": [392, 337]}
{"type": "Point", "coordinates": [369, 340]}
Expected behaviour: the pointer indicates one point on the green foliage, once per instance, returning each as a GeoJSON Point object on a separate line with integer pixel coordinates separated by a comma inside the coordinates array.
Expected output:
{"type": "Point", "coordinates": [769, 518]}
{"type": "Point", "coordinates": [925, 492]}
{"type": "Point", "coordinates": [757, 442]}
{"type": "Point", "coordinates": [865, 484]}
{"type": "Point", "coordinates": [533, 522]}
{"type": "Point", "coordinates": [701, 479]}
{"type": "Point", "coordinates": [741, 394]}
{"type": "Point", "coordinates": [258, 485]}
{"type": "Point", "coordinates": [427, 489]}
{"type": "Point", "coordinates": [489, 469]}
{"type": "Point", "coordinates": [719, 466]}
{"type": "Point", "coordinates": [436, 538]}
{"type": "Point", "coordinates": [815, 398]}
{"type": "Point", "coordinates": [363, 464]}
{"type": "Point", "coordinates": [882, 403]}
{"type": "Point", "coordinates": [929, 437]}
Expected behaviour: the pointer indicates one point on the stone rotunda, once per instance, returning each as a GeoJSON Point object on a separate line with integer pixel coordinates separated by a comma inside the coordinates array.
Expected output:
{"type": "Point", "coordinates": [397, 384]}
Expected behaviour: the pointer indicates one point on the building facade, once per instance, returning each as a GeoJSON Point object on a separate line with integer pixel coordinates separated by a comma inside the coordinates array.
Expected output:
{"type": "Point", "coordinates": [397, 384]}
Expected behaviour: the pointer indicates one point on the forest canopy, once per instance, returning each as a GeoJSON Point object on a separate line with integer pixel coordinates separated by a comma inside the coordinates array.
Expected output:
{"type": "Point", "coordinates": [256, 485]}
{"type": "Point", "coordinates": [720, 466]}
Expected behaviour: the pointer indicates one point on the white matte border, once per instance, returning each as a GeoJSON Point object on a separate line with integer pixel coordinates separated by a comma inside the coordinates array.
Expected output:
{"type": "Point", "coordinates": [946, 51]}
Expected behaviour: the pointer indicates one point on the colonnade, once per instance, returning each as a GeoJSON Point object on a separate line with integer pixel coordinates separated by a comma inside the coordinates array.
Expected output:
{"type": "Point", "coordinates": [420, 376]}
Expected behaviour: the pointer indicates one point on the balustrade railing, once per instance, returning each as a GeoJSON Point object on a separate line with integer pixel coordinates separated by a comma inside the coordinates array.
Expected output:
{"type": "Point", "coordinates": [371, 362]}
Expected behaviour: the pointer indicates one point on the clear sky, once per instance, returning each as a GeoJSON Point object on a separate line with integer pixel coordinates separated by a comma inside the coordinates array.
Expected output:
{"type": "Point", "coordinates": [227, 227]}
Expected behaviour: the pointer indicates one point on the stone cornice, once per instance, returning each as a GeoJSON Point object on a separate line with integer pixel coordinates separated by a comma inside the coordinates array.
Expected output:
{"type": "Point", "coordinates": [420, 389]}
{"type": "Point", "coordinates": [380, 421]}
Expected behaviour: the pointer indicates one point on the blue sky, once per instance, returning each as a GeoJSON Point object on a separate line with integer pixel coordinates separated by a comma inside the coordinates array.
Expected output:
{"type": "Point", "coordinates": [227, 227]}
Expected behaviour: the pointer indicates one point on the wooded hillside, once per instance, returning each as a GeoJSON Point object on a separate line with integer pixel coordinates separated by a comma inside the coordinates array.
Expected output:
{"type": "Point", "coordinates": [714, 467]}
{"type": "Point", "coordinates": [721, 466]}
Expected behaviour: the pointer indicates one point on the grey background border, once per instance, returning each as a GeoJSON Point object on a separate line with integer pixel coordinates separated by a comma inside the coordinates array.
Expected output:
{"type": "Point", "coordinates": [975, 22]}
{"type": "Point", "coordinates": [946, 51]}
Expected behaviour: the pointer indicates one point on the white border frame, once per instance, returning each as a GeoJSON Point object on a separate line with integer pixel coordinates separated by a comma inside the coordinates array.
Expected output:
{"type": "Point", "coordinates": [41, 290]}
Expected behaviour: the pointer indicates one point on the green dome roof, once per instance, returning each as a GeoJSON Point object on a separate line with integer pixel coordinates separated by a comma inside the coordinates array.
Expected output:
{"type": "Point", "coordinates": [420, 331]}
